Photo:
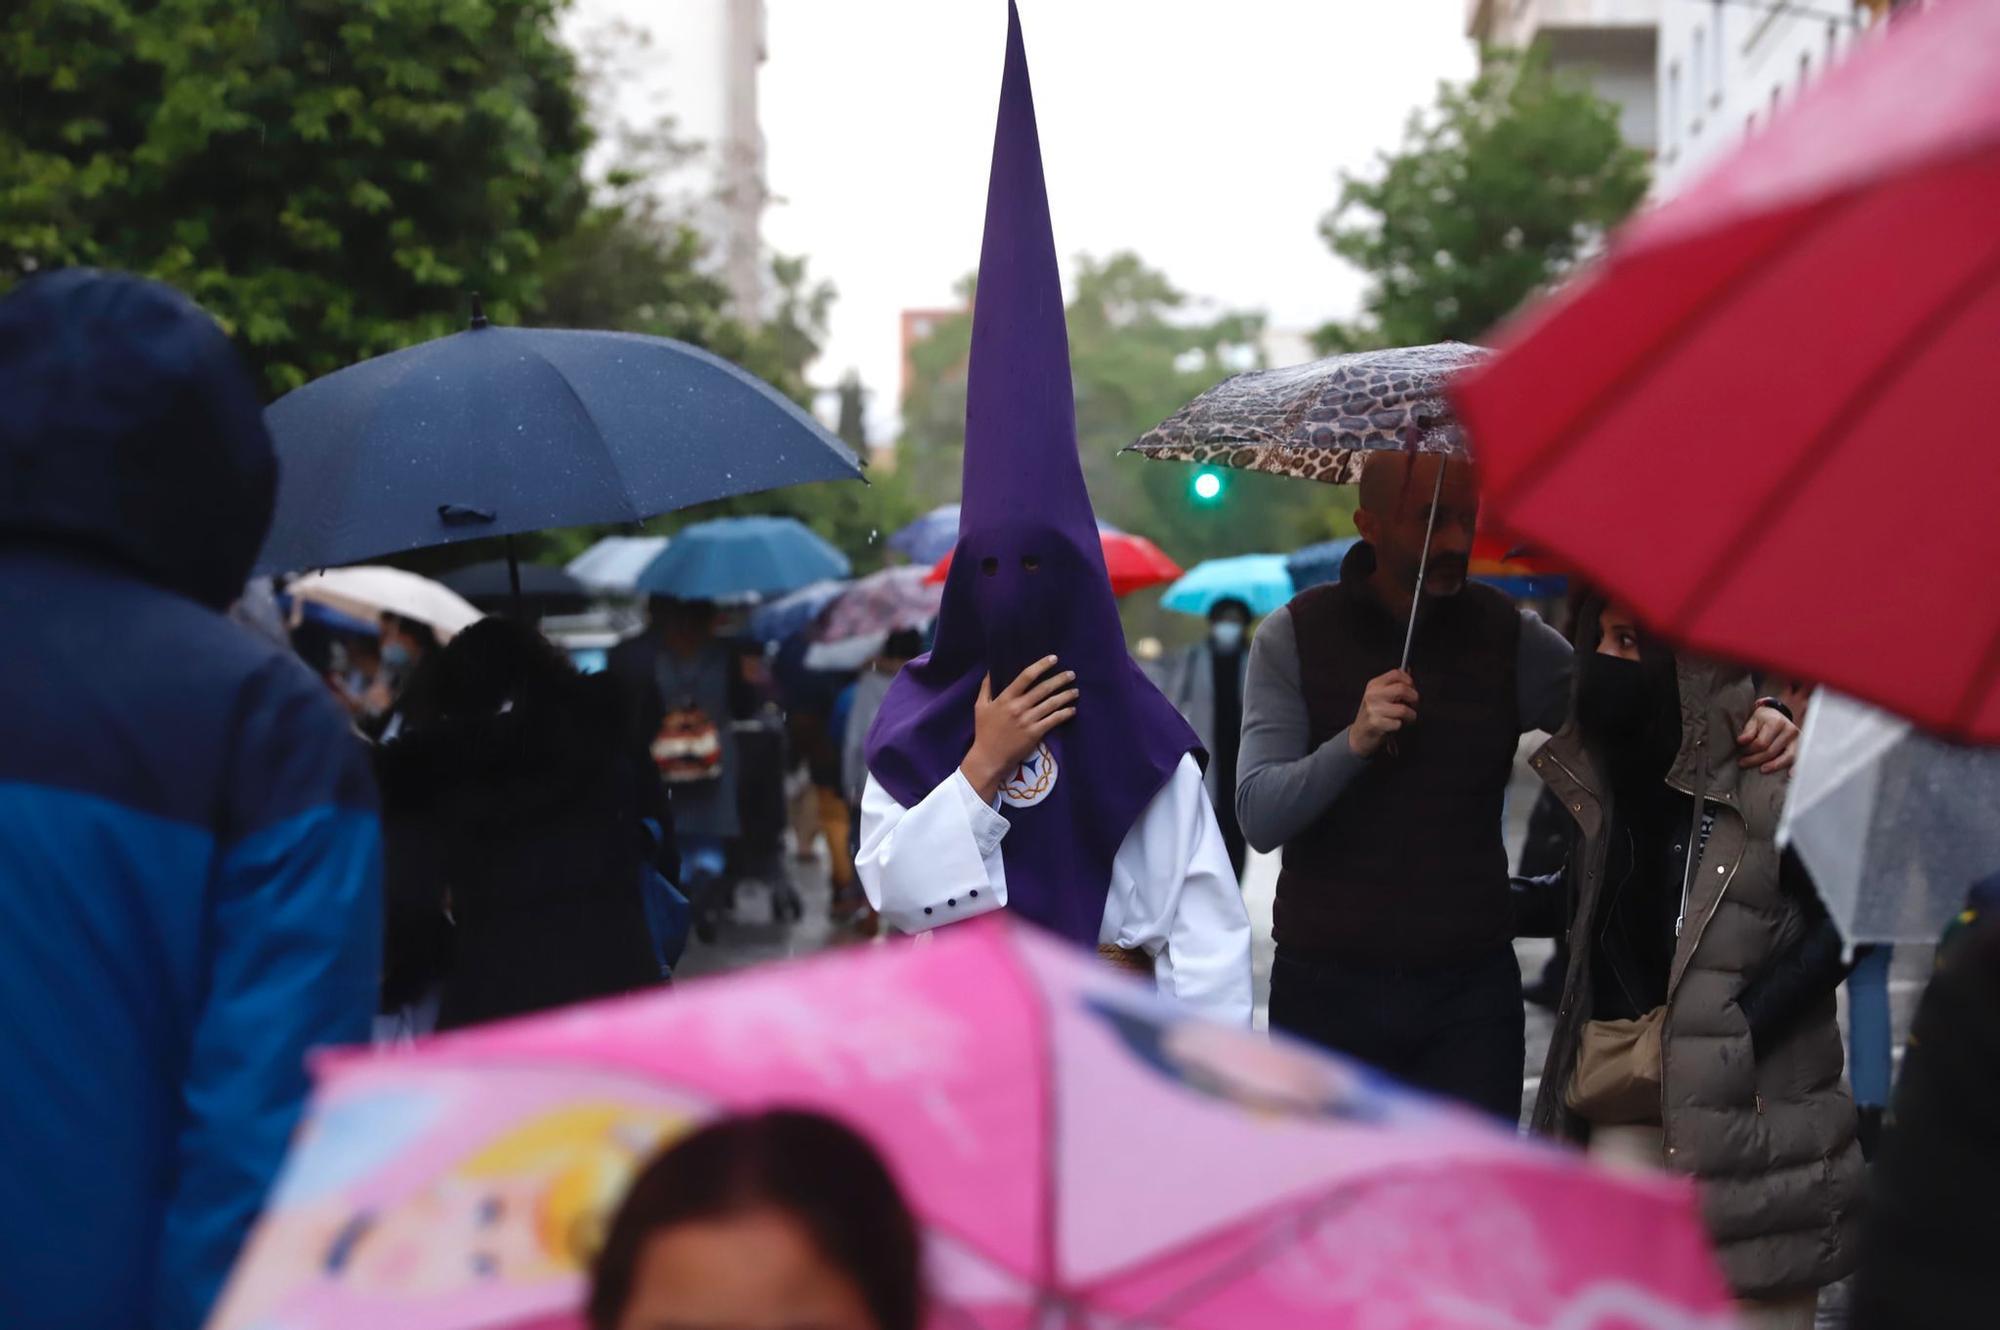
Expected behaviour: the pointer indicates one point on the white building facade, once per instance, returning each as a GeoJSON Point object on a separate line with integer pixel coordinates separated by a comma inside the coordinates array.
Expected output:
{"type": "Point", "coordinates": [698, 62]}
{"type": "Point", "coordinates": [1726, 66]}
{"type": "Point", "coordinates": [1611, 44]}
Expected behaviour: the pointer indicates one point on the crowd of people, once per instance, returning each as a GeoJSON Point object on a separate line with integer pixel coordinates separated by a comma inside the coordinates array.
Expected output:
{"type": "Point", "coordinates": [215, 859]}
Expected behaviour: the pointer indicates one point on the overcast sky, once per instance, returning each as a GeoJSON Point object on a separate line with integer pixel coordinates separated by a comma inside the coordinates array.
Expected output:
{"type": "Point", "coordinates": [1206, 135]}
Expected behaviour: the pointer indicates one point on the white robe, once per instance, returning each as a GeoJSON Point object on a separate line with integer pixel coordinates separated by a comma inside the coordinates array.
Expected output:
{"type": "Point", "coordinates": [1173, 894]}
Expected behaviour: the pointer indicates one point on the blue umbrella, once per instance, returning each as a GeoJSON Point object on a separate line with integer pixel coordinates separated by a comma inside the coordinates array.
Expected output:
{"type": "Point", "coordinates": [497, 579]}
{"type": "Point", "coordinates": [787, 615]}
{"type": "Point", "coordinates": [1319, 563]}
{"type": "Point", "coordinates": [1528, 586]}
{"type": "Point", "coordinates": [930, 537]}
{"type": "Point", "coordinates": [741, 558]}
{"type": "Point", "coordinates": [935, 535]}
{"type": "Point", "coordinates": [497, 431]}
{"type": "Point", "coordinates": [1260, 581]}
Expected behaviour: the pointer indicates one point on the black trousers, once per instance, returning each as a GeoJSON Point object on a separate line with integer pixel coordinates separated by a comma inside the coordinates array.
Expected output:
{"type": "Point", "coordinates": [1454, 1030]}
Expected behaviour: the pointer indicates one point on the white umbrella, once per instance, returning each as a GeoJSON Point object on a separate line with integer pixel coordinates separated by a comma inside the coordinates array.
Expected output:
{"type": "Point", "coordinates": [1893, 824]}
{"type": "Point", "coordinates": [615, 562]}
{"type": "Point", "coordinates": [369, 591]}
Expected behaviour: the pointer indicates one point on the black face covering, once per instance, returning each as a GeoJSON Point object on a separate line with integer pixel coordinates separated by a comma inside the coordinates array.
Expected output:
{"type": "Point", "coordinates": [1631, 710]}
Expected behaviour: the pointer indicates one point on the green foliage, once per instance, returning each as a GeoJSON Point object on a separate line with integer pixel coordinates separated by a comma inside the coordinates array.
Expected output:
{"type": "Point", "coordinates": [332, 178]}
{"type": "Point", "coordinates": [1137, 353]}
{"type": "Point", "coordinates": [1499, 188]}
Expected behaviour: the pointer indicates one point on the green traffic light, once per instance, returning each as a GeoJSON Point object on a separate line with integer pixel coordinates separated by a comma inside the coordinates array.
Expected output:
{"type": "Point", "coordinates": [1207, 486]}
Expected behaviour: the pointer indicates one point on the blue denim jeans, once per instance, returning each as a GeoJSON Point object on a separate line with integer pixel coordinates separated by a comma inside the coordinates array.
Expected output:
{"type": "Point", "coordinates": [1871, 1044]}
{"type": "Point", "coordinates": [1454, 1030]}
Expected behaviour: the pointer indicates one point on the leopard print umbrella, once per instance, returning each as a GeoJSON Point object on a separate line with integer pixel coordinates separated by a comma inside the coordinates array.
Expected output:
{"type": "Point", "coordinates": [1319, 421]}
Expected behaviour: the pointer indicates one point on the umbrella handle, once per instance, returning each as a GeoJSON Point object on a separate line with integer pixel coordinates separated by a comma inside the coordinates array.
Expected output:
{"type": "Point", "coordinates": [513, 563]}
{"type": "Point", "coordinates": [1430, 526]}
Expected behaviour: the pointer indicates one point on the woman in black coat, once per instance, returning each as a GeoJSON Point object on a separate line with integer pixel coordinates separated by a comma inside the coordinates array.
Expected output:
{"type": "Point", "coordinates": [514, 810]}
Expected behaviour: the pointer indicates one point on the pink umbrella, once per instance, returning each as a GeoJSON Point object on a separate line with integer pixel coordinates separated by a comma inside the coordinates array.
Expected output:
{"type": "Point", "coordinates": [1081, 1151]}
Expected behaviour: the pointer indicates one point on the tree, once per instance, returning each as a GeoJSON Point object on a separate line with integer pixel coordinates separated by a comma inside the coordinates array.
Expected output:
{"type": "Point", "coordinates": [1498, 189]}
{"type": "Point", "coordinates": [1136, 356]}
{"type": "Point", "coordinates": [332, 179]}
{"type": "Point", "coordinates": [853, 426]}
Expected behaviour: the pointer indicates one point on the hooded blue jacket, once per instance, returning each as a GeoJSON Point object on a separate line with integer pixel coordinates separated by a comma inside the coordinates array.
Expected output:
{"type": "Point", "coordinates": [189, 852]}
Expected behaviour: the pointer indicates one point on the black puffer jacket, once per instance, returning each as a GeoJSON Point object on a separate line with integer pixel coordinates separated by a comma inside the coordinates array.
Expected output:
{"type": "Point", "coordinates": [527, 827]}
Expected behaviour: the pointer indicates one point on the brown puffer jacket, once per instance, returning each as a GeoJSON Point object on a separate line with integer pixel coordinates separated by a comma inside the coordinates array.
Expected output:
{"type": "Point", "coordinates": [1771, 1141]}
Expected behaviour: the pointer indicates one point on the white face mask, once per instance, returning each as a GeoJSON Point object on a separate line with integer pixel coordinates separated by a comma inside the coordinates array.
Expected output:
{"type": "Point", "coordinates": [1226, 634]}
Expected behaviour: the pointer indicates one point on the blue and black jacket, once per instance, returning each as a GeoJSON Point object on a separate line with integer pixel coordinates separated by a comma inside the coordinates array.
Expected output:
{"type": "Point", "coordinates": [189, 851]}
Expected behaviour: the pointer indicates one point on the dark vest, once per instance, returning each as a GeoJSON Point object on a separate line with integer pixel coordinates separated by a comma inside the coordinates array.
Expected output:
{"type": "Point", "coordinates": [1408, 866]}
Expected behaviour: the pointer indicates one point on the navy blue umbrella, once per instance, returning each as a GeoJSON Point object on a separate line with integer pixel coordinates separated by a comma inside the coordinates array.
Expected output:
{"type": "Point", "coordinates": [1319, 563]}
{"type": "Point", "coordinates": [740, 559]}
{"type": "Point", "coordinates": [930, 537]}
{"type": "Point", "coordinates": [935, 535]}
{"type": "Point", "coordinates": [497, 431]}
{"type": "Point", "coordinates": [787, 615]}
{"type": "Point", "coordinates": [496, 579]}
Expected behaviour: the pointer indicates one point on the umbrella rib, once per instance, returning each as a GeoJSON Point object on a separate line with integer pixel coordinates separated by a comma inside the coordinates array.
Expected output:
{"type": "Point", "coordinates": [1284, 1231]}
{"type": "Point", "coordinates": [610, 455]}
{"type": "Point", "coordinates": [1644, 364]}
{"type": "Point", "coordinates": [1838, 432]}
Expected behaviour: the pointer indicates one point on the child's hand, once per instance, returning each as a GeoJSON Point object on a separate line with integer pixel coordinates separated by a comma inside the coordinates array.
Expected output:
{"type": "Point", "coordinates": [1007, 728]}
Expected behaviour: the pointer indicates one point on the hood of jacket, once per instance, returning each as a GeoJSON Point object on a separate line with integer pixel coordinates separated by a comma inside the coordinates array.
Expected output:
{"type": "Point", "coordinates": [132, 432]}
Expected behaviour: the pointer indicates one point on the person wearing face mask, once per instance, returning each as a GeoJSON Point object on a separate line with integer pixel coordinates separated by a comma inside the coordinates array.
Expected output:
{"type": "Point", "coordinates": [1025, 762]}
{"type": "Point", "coordinates": [1385, 788]}
{"type": "Point", "coordinates": [1207, 687]}
{"type": "Point", "coordinates": [1696, 1028]}
{"type": "Point", "coordinates": [405, 645]}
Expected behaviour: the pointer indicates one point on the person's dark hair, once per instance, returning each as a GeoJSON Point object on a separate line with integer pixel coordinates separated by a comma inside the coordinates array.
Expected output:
{"type": "Point", "coordinates": [812, 1168]}
{"type": "Point", "coordinates": [1227, 604]}
{"type": "Point", "coordinates": [421, 633]}
{"type": "Point", "coordinates": [903, 644]}
{"type": "Point", "coordinates": [493, 664]}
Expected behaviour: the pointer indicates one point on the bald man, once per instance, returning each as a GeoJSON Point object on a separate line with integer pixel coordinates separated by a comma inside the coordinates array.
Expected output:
{"type": "Point", "coordinates": [1394, 923]}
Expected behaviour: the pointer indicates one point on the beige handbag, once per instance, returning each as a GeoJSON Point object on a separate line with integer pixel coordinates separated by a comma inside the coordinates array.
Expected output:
{"type": "Point", "coordinates": [1617, 1076]}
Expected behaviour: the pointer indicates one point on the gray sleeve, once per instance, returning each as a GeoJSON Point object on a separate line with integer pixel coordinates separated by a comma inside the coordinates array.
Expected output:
{"type": "Point", "coordinates": [1283, 784]}
{"type": "Point", "coordinates": [1543, 667]}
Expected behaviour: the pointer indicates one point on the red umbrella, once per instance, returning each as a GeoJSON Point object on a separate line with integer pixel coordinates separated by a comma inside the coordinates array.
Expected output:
{"type": "Point", "coordinates": [1134, 563]}
{"type": "Point", "coordinates": [1760, 419]}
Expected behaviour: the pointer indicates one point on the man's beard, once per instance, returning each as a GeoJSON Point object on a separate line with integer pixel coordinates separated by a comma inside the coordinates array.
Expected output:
{"type": "Point", "coordinates": [1446, 576]}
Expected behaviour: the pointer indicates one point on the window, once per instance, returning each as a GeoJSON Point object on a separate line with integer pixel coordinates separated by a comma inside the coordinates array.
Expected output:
{"type": "Point", "coordinates": [1673, 104]}
{"type": "Point", "coordinates": [1721, 76]}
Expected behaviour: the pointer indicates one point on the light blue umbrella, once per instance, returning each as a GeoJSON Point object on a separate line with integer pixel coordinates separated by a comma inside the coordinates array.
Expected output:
{"type": "Point", "coordinates": [1260, 581]}
{"type": "Point", "coordinates": [741, 559]}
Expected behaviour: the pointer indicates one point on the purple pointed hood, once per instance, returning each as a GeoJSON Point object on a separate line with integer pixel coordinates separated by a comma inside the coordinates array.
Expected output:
{"type": "Point", "coordinates": [1028, 577]}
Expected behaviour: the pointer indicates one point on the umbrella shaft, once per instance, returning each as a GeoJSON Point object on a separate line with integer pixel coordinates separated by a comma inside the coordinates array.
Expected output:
{"type": "Point", "coordinates": [1417, 595]}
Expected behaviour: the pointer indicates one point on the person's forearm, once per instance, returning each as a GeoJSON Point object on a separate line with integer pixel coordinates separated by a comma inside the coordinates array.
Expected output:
{"type": "Point", "coordinates": [1275, 801]}
{"type": "Point", "coordinates": [1803, 974]}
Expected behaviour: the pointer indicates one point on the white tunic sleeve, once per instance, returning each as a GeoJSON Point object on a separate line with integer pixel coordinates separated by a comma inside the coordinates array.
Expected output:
{"type": "Point", "coordinates": [1175, 896]}
{"type": "Point", "coordinates": [936, 863]}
